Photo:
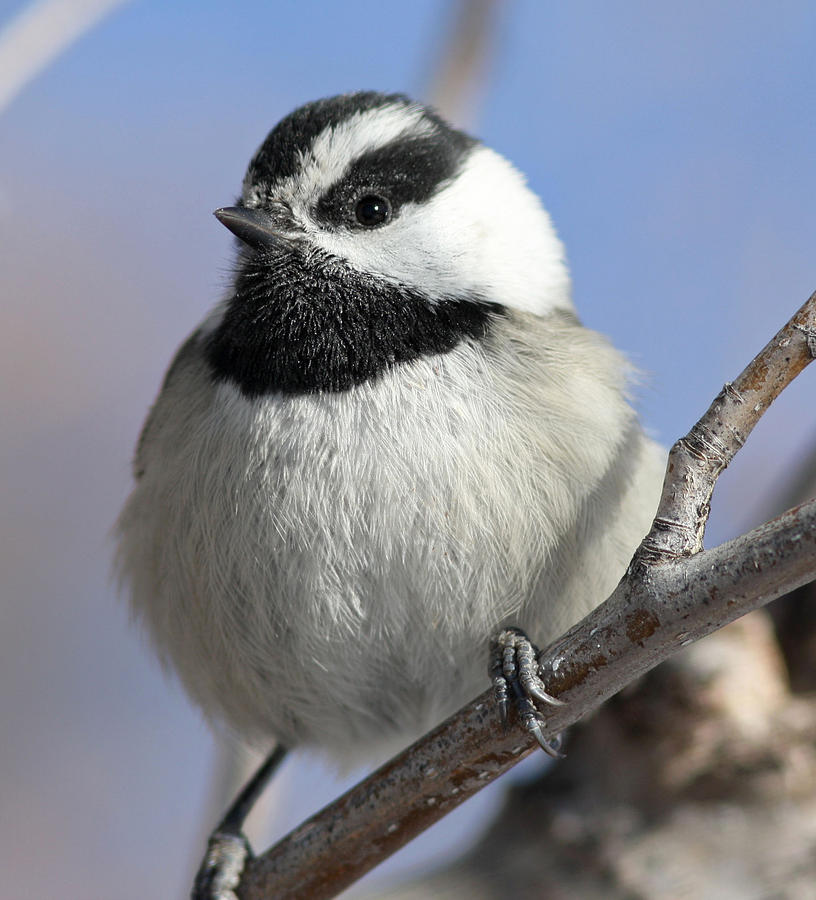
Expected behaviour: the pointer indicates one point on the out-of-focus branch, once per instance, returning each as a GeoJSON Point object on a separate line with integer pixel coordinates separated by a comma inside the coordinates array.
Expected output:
{"type": "Point", "coordinates": [38, 34]}
{"type": "Point", "coordinates": [672, 594]}
{"type": "Point", "coordinates": [461, 63]}
{"type": "Point", "coordinates": [794, 616]}
{"type": "Point", "coordinates": [802, 483]}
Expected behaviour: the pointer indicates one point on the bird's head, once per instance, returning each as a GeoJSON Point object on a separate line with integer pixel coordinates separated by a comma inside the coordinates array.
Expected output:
{"type": "Point", "coordinates": [371, 233]}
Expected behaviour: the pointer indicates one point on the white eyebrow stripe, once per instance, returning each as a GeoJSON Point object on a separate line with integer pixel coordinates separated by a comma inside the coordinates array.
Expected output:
{"type": "Point", "coordinates": [336, 148]}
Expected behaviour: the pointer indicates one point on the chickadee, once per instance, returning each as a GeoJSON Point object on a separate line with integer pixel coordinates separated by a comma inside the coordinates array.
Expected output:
{"type": "Point", "coordinates": [390, 440]}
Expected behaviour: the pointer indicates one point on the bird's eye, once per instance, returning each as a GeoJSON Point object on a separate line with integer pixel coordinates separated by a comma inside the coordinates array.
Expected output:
{"type": "Point", "coordinates": [372, 210]}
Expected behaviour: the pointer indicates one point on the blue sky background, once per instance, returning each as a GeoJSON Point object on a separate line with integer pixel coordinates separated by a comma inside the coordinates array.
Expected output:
{"type": "Point", "coordinates": [673, 145]}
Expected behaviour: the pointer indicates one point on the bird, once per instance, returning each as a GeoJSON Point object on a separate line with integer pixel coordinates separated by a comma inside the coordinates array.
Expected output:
{"type": "Point", "coordinates": [391, 440]}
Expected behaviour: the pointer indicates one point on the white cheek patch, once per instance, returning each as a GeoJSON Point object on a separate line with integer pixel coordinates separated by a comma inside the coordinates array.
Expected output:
{"type": "Point", "coordinates": [484, 234]}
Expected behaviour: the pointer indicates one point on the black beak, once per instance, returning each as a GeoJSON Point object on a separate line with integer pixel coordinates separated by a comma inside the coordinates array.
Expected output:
{"type": "Point", "coordinates": [262, 229]}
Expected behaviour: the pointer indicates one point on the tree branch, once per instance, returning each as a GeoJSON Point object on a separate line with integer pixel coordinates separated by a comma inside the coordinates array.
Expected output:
{"type": "Point", "coordinates": [673, 593]}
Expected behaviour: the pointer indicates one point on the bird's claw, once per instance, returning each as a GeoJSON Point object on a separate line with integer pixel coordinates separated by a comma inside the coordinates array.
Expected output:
{"type": "Point", "coordinates": [514, 669]}
{"type": "Point", "coordinates": [221, 869]}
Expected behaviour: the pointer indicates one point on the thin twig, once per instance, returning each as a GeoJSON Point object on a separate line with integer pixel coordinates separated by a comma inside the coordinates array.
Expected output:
{"type": "Point", "coordinates": [672, 594]}
{"type": "Point", "coordinates": [714, 441]}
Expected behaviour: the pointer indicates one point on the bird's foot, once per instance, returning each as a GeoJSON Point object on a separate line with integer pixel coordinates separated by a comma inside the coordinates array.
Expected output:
{"type": "Point", "coordinates": [228, 851]}
{"type": "Point", "coordinates": [220, 871]}
{"type": "Point", "coordinates": [515, 674]}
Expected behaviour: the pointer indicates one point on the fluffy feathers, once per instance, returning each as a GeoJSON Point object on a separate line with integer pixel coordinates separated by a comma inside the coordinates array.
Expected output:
{"type": "Point", "coordinates": [325, 566]}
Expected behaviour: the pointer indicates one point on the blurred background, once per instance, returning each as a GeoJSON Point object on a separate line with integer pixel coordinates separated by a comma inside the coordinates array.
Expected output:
{"type": "Point", "coordinates": [673, 146]}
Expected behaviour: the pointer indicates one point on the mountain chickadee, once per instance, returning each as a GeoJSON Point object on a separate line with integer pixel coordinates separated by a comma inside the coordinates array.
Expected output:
{"type": "Point", "coordinates": [391, 439]}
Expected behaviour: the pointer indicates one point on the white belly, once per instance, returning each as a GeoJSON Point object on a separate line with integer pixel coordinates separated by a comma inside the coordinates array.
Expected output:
{"type": "Point", "coordinates": [329, 568]}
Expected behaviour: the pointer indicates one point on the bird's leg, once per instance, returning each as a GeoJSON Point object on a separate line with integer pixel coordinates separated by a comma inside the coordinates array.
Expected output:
{"type": "Point", "coordinates": [228, 849]}
{"type": "Point", "coordinates": [515, 675]}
